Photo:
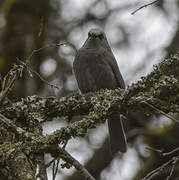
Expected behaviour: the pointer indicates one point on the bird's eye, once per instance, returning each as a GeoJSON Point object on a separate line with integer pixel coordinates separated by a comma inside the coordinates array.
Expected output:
{"type": "Point", "coordinates": [89, 34]}
{"type": "Point", "coordinates": [95, 35]}
{"type": "Point", "coordinates": [100, 36]}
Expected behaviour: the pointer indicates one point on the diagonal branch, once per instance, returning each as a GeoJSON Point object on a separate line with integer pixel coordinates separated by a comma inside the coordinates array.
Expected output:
{"type": "Point", "coordinates": [144, 6]}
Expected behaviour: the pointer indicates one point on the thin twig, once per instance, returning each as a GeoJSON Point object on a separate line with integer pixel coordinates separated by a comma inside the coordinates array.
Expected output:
{"type": "Point", "coordinates": [173, 160]}
{"type": "Point", "coordinates": [144, 6]}
{"type": "Point", "coordinates": [68, 158]}
{"type": "Point", "coordinates": [1, 81]}
{"type": "Point", "coordinates": [42, 79]}
{"type": "Point", "coordinates": [30, 70]}
{"type": "Point", "coordinates": [9, 80]}
{"type": "Point", "coordinates": [4, 92]}
{"type": "Point", "coordinates": [161, 151]}
{"type": "Point", "coordinates": [48, 46]}
{"type": "Point", "coordinates": [49, 163]}
{"type": "Point", "coordinates": [153, 173]}
{"type": "Point", "coordinates": [55, 169]}
{"type": "Point", "coordinates": [153, 107]}
{"type": "Point", "coordinates": [173, 168]}
{"type": "Point", "coordinates": [171, 152]}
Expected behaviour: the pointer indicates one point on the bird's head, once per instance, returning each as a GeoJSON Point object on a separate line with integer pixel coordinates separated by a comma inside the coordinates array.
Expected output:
{"type": "Point", "coordinates": [96, 34]}
{"type": "Point", "coordinates": [96, 39]}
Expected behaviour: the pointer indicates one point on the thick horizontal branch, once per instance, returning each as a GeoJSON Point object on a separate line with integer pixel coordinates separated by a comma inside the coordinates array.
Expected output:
{"type": "Point", "coordinates": [157, 92]}
{"type": "Point", "coordinates": [160, 88]}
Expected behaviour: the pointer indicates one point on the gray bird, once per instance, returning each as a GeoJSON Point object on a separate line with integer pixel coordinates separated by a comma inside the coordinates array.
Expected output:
{"type": "Point", "coordinates": [95, 68]}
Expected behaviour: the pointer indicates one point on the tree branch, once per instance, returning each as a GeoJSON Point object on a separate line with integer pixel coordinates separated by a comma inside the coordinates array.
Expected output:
{"type": "Point", "coordinates": [144, 6]}
{"type": "Point", "coordinates": [159, 89]}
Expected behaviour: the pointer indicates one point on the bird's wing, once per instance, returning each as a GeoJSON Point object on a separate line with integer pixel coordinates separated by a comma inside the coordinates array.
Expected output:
{"type": "Point", "coordinates": [115, 69]}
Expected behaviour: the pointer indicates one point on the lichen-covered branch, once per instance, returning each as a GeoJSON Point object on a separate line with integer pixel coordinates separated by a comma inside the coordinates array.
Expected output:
{"type": "Point", "coordinates": [160, 88]}
{"type": "Point", "coordinates": [156, 93]}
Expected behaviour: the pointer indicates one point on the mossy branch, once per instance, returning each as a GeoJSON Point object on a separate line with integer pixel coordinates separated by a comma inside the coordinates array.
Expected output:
{"type": "Point", "coordinates": [156, 93]}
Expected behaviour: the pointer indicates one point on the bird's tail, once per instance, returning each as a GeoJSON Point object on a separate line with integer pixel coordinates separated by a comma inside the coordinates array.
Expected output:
{"type": "Point", "coordinates": [116, 132]}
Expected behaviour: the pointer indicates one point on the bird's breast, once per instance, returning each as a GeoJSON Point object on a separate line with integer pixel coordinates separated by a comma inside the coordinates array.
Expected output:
{"type": "Point", "coordinates": [93, 71]}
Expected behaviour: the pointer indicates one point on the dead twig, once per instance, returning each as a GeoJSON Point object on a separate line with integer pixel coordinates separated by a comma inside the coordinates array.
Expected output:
{"type": "Point", "coordinates": [144, 6]}
{"type": "Point", "coordinates": [172, 161]}
{"type": "Point", "coordinates": [9, 80]}
{"type": "Point", "coordinates": [173, 168]}
{"type": "Point", "coordinates": [161, 151]}
{"type": "Point", "coordinates": [55, 169]}
{"type": "Point", "coordinates": [68, 158]}
{"type": "Point", "coordinates": [156, 171]}
{"type": "Point", "coordinates": [30, 70]}
{"type": "Point", "coordinates": [161, 112]}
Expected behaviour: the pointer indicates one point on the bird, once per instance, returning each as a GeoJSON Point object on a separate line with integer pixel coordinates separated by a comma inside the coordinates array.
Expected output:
{"type": "Point", "coordinates": [96, 68]}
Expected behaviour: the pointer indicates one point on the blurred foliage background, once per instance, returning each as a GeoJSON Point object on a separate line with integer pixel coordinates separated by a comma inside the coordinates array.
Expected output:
{"type": "Point", "coordinates": [33, 31]}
